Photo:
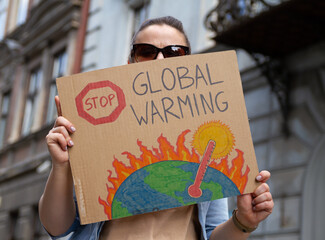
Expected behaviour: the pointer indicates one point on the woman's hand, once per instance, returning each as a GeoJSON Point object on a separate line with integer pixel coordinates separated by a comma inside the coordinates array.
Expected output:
{"type": "Point", "coordinates": [255, 207]}
{"type": "Point", "coordinates": [58, 139]}
{"type": "Point", "coordinates": [57, 209]}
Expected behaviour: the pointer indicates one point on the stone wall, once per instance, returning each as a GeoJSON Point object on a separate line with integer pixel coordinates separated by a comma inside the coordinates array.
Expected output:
{"type": "Point", "coordinates": [288, 157]}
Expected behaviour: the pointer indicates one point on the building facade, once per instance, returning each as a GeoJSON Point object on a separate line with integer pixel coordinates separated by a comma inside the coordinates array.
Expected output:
{"type": "Point", "coordinates": [38, 41]}
{"type": "Point", "coordinates": [41, 40]}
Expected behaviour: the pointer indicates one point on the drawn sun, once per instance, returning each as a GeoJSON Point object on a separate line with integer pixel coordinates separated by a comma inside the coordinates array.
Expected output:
{"type": "Point", "coordinates": [218, 132]}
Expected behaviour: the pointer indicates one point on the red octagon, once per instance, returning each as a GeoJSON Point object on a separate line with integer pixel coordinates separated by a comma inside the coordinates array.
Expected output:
{"type": "Point", "coordinates": [113, 115]}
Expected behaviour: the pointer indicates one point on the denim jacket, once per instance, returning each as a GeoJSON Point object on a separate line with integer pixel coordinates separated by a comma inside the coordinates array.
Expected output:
{"type": "Point", "coordinates": [211, 214]}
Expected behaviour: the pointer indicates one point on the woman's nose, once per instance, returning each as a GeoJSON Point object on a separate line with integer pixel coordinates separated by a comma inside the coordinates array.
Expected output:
{"type": "Point", "coordinates": [160, 56]}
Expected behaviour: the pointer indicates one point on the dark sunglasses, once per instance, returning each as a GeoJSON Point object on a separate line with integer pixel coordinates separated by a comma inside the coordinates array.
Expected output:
{"type": "Point", "coordinates": [144, 52]}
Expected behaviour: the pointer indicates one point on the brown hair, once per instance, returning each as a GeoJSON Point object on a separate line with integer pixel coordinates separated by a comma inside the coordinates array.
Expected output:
{"type": "Point", "coordinates": [168, 20]}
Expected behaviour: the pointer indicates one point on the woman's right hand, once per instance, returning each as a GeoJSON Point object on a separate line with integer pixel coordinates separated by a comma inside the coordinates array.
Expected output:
{"type": "Point", "coordinates": [57, 208]}
{"type": "Point", "coordinates": [58, 139]}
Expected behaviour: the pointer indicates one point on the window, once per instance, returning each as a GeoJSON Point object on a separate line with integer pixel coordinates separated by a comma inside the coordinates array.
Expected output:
{"type": "Point", "coordinates": [32, 99]}
{"type": "Point", "coordinates": [4, 117]}
{"type": "Point", "coordinates": [13, 220]}
{"type": "Point", "coordinates": [59, 70]}
{"type": "Point", "coordinates": [3, 17]}
{"type": "Point", "coordinates": [22, 12]}
{"type": "Point", "coordinates": [140, 15]}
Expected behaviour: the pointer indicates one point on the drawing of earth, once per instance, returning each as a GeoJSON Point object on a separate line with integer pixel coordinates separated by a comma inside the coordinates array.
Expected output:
{"type": "Point", "coordinates": [164, 185]}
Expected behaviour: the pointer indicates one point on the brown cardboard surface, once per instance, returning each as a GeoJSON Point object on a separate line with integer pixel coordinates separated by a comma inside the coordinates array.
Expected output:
{"type": "Point", "coordinates": [157, 135]}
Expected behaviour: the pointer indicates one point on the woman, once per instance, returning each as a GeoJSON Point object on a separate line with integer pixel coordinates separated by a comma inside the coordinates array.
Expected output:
{"type": "Point", "coordinates": [156, 39]}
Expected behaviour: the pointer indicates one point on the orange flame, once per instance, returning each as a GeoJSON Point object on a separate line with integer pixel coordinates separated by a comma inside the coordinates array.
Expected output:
{"type": "Point", "coordinates": [235, 171]}
{"type": "Point", "coordinates": [167, 152]}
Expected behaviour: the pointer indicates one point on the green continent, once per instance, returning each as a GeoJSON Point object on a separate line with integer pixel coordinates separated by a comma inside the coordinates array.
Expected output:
{"type": "Point", "coordinates": [121, 211]}
{"type": "Point", "coordinates": [214, 187]}
{"type": "Point", "coordinates": [168, 180]}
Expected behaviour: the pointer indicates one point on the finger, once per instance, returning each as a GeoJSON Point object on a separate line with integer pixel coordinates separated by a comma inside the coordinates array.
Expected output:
{"type": "Point", "coordinates": [61, 121]}
{"type": "Point", "coordinates": [264, 187]}
{"type": "Point", "coordinates": [58, 105]}
{"type": "Point", "coordinates": [57, 138]}
{"type": "Point", "coordinates": [264, 206]}
{"type": "Point", "coordinates": [263, 176]}
{"type": "Point", "coordinates": [267, 196]}
{"type": "Point", "coordinates": [62, 130]}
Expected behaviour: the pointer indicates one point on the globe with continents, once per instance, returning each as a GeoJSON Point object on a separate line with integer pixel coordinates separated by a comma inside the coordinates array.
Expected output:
{"type": "Point", "coordinates": [165, 185]}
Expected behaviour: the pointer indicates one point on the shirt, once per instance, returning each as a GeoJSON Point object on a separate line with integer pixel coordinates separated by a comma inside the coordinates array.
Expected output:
{"type": "Point", "coordinates": [180, 223]}
{"type": "Point", "coordinates": [210, 215]}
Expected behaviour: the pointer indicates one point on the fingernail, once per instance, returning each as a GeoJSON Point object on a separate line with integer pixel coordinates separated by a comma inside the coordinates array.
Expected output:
{"type": "Point", "coordinates": [72, 129]}
{"type": "Point", "coordinates": [259, 178]}
{"type": "Point", "coordinates": [66, 148]}
{"type": "Point", "coordinates": [254, 208]}
{"type": "Point", "coordinates": [71, 143]}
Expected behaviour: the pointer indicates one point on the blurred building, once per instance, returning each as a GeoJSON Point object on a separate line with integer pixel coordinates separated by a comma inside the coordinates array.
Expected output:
{"type": "Point", "coordinates": [280, 48]}
{"type": "Point", "coordinates": [38, 43]}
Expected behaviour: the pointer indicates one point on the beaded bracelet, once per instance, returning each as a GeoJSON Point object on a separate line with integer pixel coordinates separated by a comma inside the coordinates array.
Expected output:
{"type": "Point", "coordinates": [239, 225]}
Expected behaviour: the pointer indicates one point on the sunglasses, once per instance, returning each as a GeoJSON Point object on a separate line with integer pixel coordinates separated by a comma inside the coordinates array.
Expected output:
{"type": "Point", "coordinates": [145, 52]}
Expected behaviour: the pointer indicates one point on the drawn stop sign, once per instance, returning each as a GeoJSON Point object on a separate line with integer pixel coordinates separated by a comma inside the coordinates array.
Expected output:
{"type": "Point", "coordinates": [100, 102]}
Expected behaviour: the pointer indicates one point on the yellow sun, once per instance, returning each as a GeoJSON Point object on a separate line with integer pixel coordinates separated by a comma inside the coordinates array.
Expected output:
{"type": "Point", "coordinates": [218, 132]}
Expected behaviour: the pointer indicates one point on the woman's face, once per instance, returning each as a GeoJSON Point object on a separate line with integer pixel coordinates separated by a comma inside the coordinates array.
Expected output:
{"type": "Point", "coordinates": [161, 36]}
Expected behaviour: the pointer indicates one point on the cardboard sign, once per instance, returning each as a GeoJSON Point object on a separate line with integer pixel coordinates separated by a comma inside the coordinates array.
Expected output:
{"type": "Point", "coordinates": [157, 135]}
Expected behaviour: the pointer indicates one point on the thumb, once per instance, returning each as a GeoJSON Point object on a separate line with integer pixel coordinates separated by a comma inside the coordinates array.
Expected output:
{"type": "Point", "coordinates": [244, 202]}
{"type": "Point", "coordinates": [58, 105]}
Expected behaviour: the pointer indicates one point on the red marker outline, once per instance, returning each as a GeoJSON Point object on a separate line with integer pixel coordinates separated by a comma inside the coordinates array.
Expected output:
{"type": "Point", "coordinates": [194, 190]}
{"type": "Point", "coordinates": [97, 85]}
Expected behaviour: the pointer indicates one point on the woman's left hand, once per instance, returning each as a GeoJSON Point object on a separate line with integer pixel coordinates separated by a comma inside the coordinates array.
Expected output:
{"type": "Point", "coordinates": [255, 207]}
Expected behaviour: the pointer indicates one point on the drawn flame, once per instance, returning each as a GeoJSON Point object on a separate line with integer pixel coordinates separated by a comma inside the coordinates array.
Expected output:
{"type": "Point", "coordinates": [167, 152]}
{"type": "Point", "coordinates": [235, 171]}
